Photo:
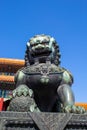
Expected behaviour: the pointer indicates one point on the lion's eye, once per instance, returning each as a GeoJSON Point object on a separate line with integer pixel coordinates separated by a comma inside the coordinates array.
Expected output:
{"type": "Point", "coordinates": [32, 45]}
{"type": "Point", "coordinates": [35, 44]}
{"type": "Point", "coordinates": [43, 43]}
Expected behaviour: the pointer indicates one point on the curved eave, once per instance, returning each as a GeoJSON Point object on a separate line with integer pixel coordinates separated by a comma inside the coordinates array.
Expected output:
{"type": "Point", "coordinates": [5, 79]}
{"type": "Point", "coordinates": [11, 65]}
{"type": "Point", "coordinates": [13, 62]}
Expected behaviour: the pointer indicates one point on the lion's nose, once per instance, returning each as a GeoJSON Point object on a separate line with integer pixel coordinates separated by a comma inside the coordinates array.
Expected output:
{"type": "Point", "coordinates": [39, 47]}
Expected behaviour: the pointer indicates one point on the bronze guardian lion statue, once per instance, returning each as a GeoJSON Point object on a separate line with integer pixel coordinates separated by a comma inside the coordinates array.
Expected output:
{"type": "Point", "coordinates": [42, 85]}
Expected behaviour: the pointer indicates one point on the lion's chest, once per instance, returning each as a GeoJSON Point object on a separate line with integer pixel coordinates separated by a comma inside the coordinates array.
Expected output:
{"type": "Point", "coordinates": [43, 77]}
{"type": "Point", "coordinates": [38, 80]}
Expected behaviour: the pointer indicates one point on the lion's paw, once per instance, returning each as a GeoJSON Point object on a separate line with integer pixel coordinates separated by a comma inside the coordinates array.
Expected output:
{"type": "Point", "coordinates": [22, 90]}
{"type": "Point", "coordinates": [74, 109]}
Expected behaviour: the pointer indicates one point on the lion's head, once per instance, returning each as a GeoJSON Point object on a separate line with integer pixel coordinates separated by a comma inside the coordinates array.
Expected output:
{"type": "Point", "coordinates": [42, 48]}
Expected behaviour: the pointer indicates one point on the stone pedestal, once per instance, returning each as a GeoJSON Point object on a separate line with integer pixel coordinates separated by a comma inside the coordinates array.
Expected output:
{"type": "Point", "coordinates": [42, 121]}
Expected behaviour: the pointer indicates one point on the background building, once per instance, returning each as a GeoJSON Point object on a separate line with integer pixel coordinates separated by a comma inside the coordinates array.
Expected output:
{"type": "Point", "coordinates": [8, 68]}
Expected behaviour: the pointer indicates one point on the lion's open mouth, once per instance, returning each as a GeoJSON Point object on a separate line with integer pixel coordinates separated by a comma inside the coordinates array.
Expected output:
{"type": "Point", "coordinates": [41, 52]}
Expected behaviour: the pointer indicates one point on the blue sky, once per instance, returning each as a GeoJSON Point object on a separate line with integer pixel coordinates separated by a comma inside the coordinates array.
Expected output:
{"type": "Point", "coordinates": [65, 20]}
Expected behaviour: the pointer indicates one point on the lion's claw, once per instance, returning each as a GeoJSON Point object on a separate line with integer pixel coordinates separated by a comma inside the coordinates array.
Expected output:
{"type": "Point", "coordinates": [22, 90]}
{"type": "Point", "coordinates": [74, 109]}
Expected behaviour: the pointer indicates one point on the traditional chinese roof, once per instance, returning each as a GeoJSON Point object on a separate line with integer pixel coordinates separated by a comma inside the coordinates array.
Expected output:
{"type": "Point", "coordinates": [7, 82]}
{"type": "Point", "coordinates": [4, 78]}
{"type": "Point", "coordinates": [14, 62]}
{"type": "Point", "coordinates": [10, 65]}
